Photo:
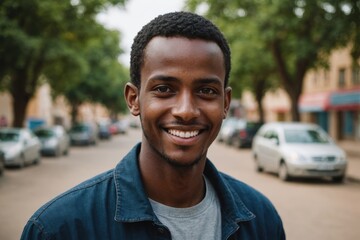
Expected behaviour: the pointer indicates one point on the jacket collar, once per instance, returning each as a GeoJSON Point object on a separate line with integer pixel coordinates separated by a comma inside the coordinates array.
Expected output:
{"type": "Point", "coordinates": [132, 204]}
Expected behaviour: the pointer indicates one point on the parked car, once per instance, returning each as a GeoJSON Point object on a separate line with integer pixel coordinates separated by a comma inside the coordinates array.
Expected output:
{"type": "Point", "coordinates": [229, 127]}
{"type": "Point", "coordinates": [244, 135]}
{"type": "Point", "coordinates": [298, 150]}
{"type": "Point", "coordinates": [104, 131]}
{"type": "Point", "coordinates": [54, 140]}
{"type": "Point", "coordinates": [83, 134]}
{"type": "Point", "coordinates": [20, 146]}
{"type": "Point", "coordinates": [2, 162]}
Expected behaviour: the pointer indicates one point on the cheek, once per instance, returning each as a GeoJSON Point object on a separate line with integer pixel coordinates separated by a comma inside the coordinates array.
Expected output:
{"type": "Point", "coordinates": [150, 109]}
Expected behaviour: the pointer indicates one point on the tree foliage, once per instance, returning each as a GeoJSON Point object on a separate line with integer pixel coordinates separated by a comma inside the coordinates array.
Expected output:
{"type": "Point", "coordinates": [45, 40]}
{"type": "Point", "coordinates": [105, 80]}
{"type": "Point", "coordinates": [299, 35]}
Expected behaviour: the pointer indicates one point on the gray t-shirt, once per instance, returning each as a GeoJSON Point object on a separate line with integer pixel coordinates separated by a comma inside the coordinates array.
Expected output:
{"type": "Point", "coordinates": [202, 221]}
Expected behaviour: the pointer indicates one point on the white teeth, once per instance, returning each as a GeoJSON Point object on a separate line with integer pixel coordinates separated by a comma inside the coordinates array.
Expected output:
{"type": "Point", "coordinates": [183, 134]}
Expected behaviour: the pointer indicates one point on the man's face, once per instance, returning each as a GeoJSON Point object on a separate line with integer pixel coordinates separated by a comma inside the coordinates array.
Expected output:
{"type": "Point", "coordinates": [182, 100]}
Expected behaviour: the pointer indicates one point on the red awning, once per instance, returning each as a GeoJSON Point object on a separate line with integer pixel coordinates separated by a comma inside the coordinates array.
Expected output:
{"type": "Point", "coordinates": [314, 102]}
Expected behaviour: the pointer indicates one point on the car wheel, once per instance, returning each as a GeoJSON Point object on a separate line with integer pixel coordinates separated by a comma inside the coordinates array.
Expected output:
{"type": "Point", "coordinates": [57, 152]}
{"type": "Point", "coordinates": [338, 179]}
{"type": "Point", "coordinates": [283, 172]}
{"type": "Point", "coordinates": [21, 161]}
{"type": "Point", "coordinates": [2, 166]}
{"type": "Point", "coordinates": [37, 159]}
{"type": "Point", "coordinates": [236, 142]}
{"type": "Point", "coordinates": [258, 168]}
{"type": "Point", "coordinates": [66, 151]}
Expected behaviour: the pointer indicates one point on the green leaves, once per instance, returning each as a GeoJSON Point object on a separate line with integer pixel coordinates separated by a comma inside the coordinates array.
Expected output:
{"type": "Point", "coordinates": [52, 40]}
{"type": "Point", "coordinates": [283, 37]}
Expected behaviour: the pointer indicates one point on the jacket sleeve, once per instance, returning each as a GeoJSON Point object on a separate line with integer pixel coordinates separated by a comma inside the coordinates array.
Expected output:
{"type": "Point", "coordinates": [281, 231]}
{"type": "Point", "coordinates": [34, 231]}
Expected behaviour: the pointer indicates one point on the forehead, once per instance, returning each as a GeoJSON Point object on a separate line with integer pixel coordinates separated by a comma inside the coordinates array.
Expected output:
{"type": "Point", "coordinates": [181, 46]}
{"type": "Point", "coordinates": [175, 55]}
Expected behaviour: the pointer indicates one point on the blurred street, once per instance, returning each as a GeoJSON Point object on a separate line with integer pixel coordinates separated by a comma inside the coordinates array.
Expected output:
{"type": "Point", "coordinates": [310, 209]}
{"type": "Point", "coordinates": [352, 150]}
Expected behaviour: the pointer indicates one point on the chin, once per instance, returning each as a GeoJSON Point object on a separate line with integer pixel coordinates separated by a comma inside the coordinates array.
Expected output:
{"type": "Point", "coordinates": [182, 163]}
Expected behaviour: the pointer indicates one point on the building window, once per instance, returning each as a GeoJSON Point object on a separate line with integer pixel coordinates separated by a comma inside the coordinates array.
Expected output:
{"type": "Point", "coordinates": [326, 81]}
{"type": "Point", "coordinates": [342, 77]}
{"type": "Point", "coordinates": [356, 75]}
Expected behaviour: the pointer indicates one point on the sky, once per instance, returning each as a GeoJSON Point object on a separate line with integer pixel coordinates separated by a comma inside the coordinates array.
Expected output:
{"type": "Point", "coordinates": [129, 20]}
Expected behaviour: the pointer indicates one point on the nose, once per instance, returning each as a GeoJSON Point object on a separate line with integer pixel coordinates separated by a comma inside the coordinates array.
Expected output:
{"type": "Point", "coordinates": [186, 108]}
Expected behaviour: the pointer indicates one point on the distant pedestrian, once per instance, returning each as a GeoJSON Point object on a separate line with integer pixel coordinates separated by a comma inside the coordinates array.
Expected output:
{"type": "Point", "coordinates": [166, 188]}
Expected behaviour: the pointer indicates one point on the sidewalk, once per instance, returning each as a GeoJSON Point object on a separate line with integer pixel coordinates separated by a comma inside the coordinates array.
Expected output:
{"type": "Point", "coordinates": [352, 150]}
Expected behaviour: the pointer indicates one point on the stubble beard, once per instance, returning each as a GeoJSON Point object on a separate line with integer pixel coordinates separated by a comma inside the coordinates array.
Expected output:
{"type": "Point", "coordinates": [171, 161]}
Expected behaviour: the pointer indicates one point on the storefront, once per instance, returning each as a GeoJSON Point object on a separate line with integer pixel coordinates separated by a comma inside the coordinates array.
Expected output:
{"type": "Point", "coordinates": [336, 112]}
{"type": "Point", "coordinates": [346, 105]}
{"type": "Point", "coordinates": [314, 108]}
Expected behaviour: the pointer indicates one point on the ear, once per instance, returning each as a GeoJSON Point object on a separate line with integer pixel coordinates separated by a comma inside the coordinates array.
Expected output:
{"type": "Point", "coordinates": [131, 93]}
{"type": "Point", "coordinates": [227, 100]}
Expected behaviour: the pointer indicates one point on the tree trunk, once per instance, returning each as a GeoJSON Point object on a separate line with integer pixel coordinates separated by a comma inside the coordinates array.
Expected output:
{"type": "Point", "coordinates": [19, 110]}
{"type": "Point", "coordinates": [295, 114]}
{"type": "Point", "coordinates": [292, 83]}
{"type": "Point", "coordinates": [261, 111]}
{"type": "Point", "coordinates": [20, 98]}
{"type": "Point", "coordinates": [74, 113]}
{"type": "Point", "coordinates": [259, 95]}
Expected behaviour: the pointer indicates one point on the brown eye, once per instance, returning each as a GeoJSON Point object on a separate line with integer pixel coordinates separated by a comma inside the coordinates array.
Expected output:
{"type": "Point", "coordinates": [207, 91]}
{"type": "Point", "coordinates": [163, 89]}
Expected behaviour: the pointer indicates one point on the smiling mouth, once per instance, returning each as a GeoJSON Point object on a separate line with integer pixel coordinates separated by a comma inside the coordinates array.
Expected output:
{"type": "Point", "coordinates": [183, 134]}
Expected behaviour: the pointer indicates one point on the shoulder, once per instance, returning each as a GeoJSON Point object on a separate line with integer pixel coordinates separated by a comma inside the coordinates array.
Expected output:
{"type": "Point", "coordinates": [73, 209]}
{"type": "Point", "coordinates": [267, 221]}
{"type": "Point", "coordinates": [253, 199]}
{"type": "Point", "coordinates": [77, 199]}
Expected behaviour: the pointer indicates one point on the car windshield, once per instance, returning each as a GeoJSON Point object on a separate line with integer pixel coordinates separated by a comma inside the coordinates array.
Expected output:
{"type": "Point", "coordinates": [235, 123]}
{"type": "Point", "coordinates": [305, 136]}
{"type": "Point", "coordinates": [79, 128]}
{"type": "Point", "coordinates": [9, 137]}
{"type": "Point", "coordinates": [44, 133]}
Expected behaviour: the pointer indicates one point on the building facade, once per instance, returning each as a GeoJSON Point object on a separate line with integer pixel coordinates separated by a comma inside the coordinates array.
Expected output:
{"type": "Point", "coordinates": [331, 97]}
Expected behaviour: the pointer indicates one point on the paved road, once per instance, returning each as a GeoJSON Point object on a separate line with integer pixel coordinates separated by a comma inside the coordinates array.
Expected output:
{"type": "Point", "coordinates": [310, 209]}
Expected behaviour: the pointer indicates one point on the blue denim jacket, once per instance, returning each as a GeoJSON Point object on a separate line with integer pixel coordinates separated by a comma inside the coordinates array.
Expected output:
{"type": "Point", "coordinates": [114, 205]}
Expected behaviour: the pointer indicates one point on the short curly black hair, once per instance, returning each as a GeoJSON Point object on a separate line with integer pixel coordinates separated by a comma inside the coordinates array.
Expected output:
{"type": "Point", "coordinates": [183, 24]}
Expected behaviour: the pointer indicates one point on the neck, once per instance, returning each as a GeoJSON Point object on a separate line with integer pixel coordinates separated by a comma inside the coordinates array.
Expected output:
{"type": "Point", "coordinates": [170, 185]}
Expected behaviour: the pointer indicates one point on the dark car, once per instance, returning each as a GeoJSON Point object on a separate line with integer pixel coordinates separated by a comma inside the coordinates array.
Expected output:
{"type": "Point", "coordinates": [243, 137]}
{"type": "Point", "coordinates": [54, 140]}
{"type": "Point", "coordinates": [83, 134]}
{"type": "Point", "coordinates": [104, 131]}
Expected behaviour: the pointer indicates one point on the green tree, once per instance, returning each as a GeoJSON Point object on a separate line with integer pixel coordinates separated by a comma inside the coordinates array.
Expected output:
{"type": "Point", "coordinates": [299, 34]}
{"type": "Point", "coordinates": [105, 80]}
{"type": "Point", "coordinates": [252, 66]}
{"type": "Point", "coordinates": [42, 40]}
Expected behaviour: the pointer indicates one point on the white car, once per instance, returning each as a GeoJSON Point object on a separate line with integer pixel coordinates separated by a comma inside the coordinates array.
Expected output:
{"type": "Point", "coordinates": [20, 146]}
{"type": "Point", "coordinates": [54, 140]}
{"type": "Point", "coordinates": [298, 150]}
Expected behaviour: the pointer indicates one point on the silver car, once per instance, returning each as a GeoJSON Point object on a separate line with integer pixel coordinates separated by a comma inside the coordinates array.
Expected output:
{"type": "Point", "coordinates": [20, 146]}
{"type": "Point", "coordinates": [298, 150]}
{"type": "Point", "coordinates": [83, 134]}
{"type": "Point", "coordinates": [229, 127]}
{"type": "Point", "coordinates": [54, 140]}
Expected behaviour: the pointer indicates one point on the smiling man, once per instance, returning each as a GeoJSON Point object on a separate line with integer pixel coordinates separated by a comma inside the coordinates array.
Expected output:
{"type": "Point", "coordinates": [166, 188]}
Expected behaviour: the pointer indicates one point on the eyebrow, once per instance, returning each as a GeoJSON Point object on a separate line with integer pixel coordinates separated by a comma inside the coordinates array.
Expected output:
{"type": "Point", "coordinates": [208, 80]}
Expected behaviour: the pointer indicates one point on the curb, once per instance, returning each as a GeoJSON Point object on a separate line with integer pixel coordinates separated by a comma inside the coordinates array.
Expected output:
{"type": "Point", "coordinates": [353, 179]}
